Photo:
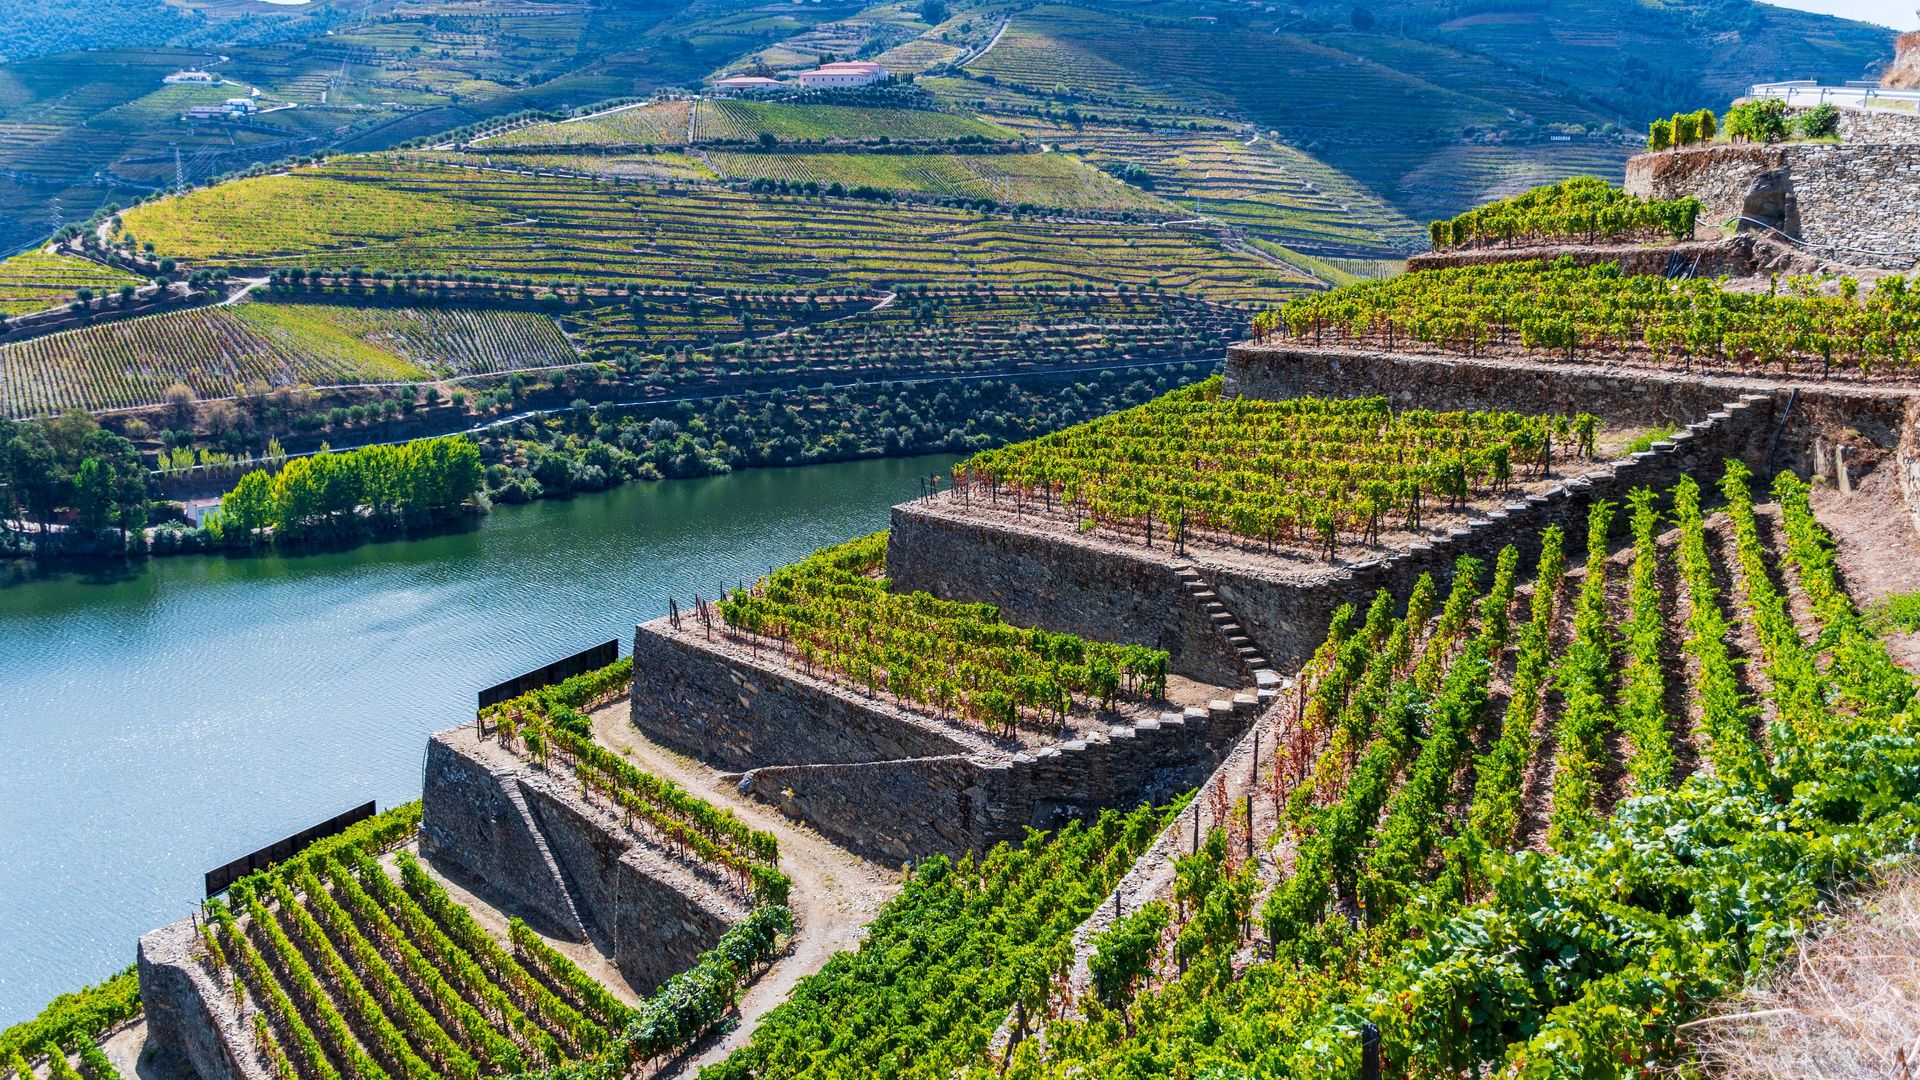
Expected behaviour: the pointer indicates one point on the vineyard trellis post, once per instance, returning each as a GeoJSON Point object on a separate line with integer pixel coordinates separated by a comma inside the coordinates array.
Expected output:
{"type": "Point", "coordinates": [1253, 785]}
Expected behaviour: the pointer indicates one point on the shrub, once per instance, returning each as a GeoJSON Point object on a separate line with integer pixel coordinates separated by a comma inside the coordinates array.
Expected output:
{"type": "Point", "coordinates": [1817, 122]}
{"type": "Point", "coordinates": [1758, 121]}
{"type": "Point", "coordinates": [1660, 135]}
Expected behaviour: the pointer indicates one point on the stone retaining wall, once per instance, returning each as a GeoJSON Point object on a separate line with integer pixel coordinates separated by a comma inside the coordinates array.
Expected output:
{"type": "Point", "coordinates": [528, 834]}
{"type": "Point", "coordinates": [1856, 196]}
{"type": "Point", "coordinates": [893, 811]}
{"type": "Point", "coordinates": [741, 713]}
{"type": "Point", "coordinates": [1740, 256]}
{"type": "Point", "coordinates": [1819, 408]}
{"type": "Point", "coordinates": [187, 1013]}
{"type": "Point", "coordinates": [888, 782]}
{"type": "Point", "coordinates": [1038, 579]}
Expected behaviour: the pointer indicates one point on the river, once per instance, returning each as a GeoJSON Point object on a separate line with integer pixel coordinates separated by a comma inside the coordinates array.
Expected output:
{"type": "Point", "coordinates": [166, 718]}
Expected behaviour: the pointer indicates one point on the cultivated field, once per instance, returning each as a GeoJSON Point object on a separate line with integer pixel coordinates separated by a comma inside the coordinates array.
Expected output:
{"type": "Point", "coordinates": [34, 281]}
{"type": "Point", "coordinates": [420, 216]}
{"type": "Point", "coordinates": [219, 350]}
{"type": "Point", "coordinates": [1052, 180]}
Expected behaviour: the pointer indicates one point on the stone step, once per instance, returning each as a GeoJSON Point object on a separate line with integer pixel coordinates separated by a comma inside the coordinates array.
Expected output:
{"type": "Point", "coordinates": [1247, 652]}
{"type": "Point", "coordinates": [1205, 595]}
{"type": "Point", "coordinates": [1256, 663]}
{"type": "Point", "coordinates": [1240, 641]}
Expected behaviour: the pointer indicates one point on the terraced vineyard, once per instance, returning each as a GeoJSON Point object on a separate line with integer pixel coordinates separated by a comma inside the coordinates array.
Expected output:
{"type": "Point", "coordinates": [658, 124]}
{"type": "Point", "coordinates": [1560, 309]}
{"type": "Point", "coordinates": [661, 167]}
{"type": "Point", "coordinates": [217, 351]}
{"type": "Point", "coordinates": [1443, 846]}
{"type": "Point", "coordinates": [746, 121]}
{"type": "Point", "coordinates": [961, 947]}
{"type": "Point", "coordinates": [938, 331]}
{"type": "Point", "coordinates": [1049, 180]}
{"type": "Point", "coordinates": [422, 216]}
{"type": "Point", "coordinates": [35, 281]}
{"type": "Point", "coordinates": [1269, 189]}
{"type": "Point", "coordinates": [347, 972]}
{"type": "Point", "coordinates": [1307, 474]}
{"type": "Point", "coordinates": [833, 614]}
{"type": "Point", "coordinates": [1304, 87]}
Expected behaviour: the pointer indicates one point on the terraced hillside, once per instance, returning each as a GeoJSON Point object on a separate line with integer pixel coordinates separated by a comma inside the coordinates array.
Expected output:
{"type": "Point", "coordinates": [1444, 128]}
{"type": "Point", "coordinates": [922, 331]}
{"type": "Point", "coordinates": [36, 281]}
{"type": "Point", "coordinates": [408, 216]}
{"type": "Point", "coordinates": [1653, 764]}
{"type": "Point", "coordinates": [216, 352]}
{"type": "Point", "coordinates": [1249, 181]}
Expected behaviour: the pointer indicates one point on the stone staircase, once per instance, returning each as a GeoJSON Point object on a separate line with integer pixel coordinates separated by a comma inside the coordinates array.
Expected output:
{"type": "Point", "coordinates": [1199, 590]}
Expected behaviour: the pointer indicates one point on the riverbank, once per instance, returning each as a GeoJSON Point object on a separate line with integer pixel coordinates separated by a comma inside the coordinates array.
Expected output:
{"type": "Point", "coordinates": [560, 453]}
{"type": "Point", "coordinates": [164, 719]}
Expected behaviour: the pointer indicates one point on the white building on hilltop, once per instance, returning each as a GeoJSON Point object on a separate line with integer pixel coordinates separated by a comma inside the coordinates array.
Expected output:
{"type": "Point", "coordinates": [844, 73]}
{"type": "Point", "coordinates": [205, 78]}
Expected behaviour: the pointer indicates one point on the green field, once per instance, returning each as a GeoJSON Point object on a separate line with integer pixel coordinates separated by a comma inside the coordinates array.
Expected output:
{"type": "Point", "coordinates": [412, 216]}
{"type": "Point", "coordinates": [748, 120]}
{"type": "Point", "coordinates": [1039, 179]}
{"type": "Point", "coordinates": [218, 351]}
{"type": "Point", "coordinates": [659, 124]}
{"type": "Point", "coordinates": [1249, 181]}
{"type": "Point", "coordinates": [35, 281]}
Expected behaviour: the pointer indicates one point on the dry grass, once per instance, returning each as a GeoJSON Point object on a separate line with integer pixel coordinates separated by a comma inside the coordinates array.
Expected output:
{"type": "Point", "coordinates": [1847, 1007]}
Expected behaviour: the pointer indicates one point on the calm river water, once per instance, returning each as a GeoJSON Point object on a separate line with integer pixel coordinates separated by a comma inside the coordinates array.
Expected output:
{"type": "Point", "coordinates": [162, 721]}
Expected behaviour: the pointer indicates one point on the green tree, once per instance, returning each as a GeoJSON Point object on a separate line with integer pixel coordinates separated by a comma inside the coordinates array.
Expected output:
{"type": "Point", "coordinates": [93, 493]}
{"type": "Point", "coordinates": [252, 505]}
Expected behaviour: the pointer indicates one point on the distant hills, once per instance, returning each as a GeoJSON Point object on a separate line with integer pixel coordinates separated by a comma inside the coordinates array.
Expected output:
{"type": "Point", "coordinates": [1356, 122]}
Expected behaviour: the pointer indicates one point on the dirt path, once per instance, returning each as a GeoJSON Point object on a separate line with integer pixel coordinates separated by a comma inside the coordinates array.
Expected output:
{"type": "Point", "coordinates": [835, 893]}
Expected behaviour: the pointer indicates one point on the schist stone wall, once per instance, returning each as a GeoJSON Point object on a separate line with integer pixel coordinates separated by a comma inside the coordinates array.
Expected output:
{"type": "Point", "coordinates": [188, 1013]}
{"type": "Point", "coordinates": [1038, 579]}
{"type": "Point", "coordinates": [741, 712]}
{"type": "Point", "coordinates": [890, 783]}
{"type": "Point", "coordinates": [1861, 196]}
{"type": "Point", "coordinates": [893, 811]}
{"type": "Point", "coordinates": [529, 834]}
{"type": "Point", "coordinates": [1741, 256]}
{"type": "Point", "coordinates": [1875, 420]}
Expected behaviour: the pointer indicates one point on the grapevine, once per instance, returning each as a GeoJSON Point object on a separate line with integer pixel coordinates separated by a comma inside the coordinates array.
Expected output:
{"type": "Point", "coordinates": [1308, 472]}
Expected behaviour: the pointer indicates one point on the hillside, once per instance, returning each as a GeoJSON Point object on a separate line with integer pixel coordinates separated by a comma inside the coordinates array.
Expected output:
{"type": "Point", "coordinates": [1423, 109]}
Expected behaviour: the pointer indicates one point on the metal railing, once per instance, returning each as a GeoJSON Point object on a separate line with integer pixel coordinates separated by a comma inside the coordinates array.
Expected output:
{"type": "Point", "coordinates": [1805, 92]}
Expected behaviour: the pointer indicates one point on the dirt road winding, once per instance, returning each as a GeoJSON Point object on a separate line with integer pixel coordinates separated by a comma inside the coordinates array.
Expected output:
{"type": "Point", "coordinates": [835, 893]}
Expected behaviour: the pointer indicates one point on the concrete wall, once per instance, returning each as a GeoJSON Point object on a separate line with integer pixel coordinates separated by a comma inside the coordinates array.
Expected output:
{"type": "Point", "coordinates": [569, 860]}
{"type": "Point", "coordinates": [740, 713]}
{"type": "Point", "coordinates": [1856, 196]}
{"type": "Point", "coordinates": [1038, 578]}
{"type": "Point", "coordinates": [187, 1013]}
